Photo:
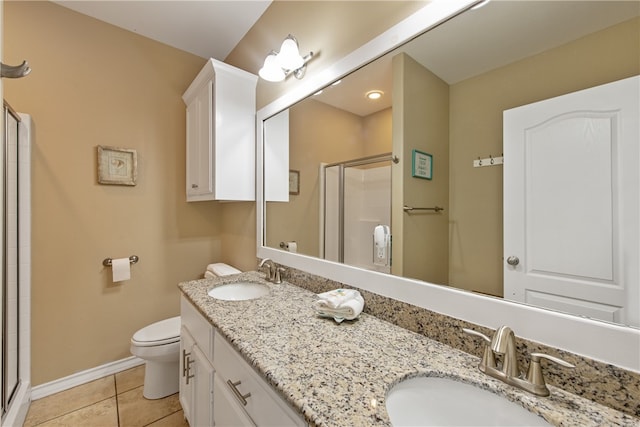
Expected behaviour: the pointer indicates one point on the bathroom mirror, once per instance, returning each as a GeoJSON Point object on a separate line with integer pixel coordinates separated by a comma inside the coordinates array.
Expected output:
{"type": "Point", "coordinates": [462, 53]}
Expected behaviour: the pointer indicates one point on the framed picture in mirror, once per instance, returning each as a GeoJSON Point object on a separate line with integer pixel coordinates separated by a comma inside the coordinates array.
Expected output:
{"type": "Point", "coordinates": [421, 165]}
{"type": "Point", "coordinates": [294, 182]}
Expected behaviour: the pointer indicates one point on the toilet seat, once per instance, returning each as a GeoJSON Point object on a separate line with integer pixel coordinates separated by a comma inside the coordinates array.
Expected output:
{"type": "Point", "coordinates": [160, 333]}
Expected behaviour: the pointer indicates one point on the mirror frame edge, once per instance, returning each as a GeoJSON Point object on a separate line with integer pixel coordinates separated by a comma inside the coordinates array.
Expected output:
{"type": "Point", "coordinates": [583, 336]}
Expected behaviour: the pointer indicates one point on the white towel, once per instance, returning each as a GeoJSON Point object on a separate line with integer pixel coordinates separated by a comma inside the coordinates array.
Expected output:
{"type": "Point", "coordinates": [337, 297]}
{"type": "Point", "coordinates": [221, 269]}
{"type": "Point", "coordinates": [209, 275]}
{"type": "Point", "coordinates": [348, 309]}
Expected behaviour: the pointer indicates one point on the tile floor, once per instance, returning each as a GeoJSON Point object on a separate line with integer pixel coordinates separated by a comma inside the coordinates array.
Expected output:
{"type": "Point", "coordinates": [113, 401]}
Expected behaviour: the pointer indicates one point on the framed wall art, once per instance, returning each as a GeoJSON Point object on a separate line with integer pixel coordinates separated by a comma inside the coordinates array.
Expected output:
{"type": "Point", "coordinates": [421, 165]}
{"type": "Point", "coordinates": [117, 166]}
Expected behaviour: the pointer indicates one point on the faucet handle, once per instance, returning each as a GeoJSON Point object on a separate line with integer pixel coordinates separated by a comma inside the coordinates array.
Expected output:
{"type": "Point", "coordinates": [488, 358]}
{"type": "Point", "coordinates": [534, 374]}
{"type": "Point", "coordinates": [277, 278]}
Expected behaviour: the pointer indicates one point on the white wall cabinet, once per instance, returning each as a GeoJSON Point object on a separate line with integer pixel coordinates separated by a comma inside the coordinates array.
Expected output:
{"type": "Point", "coordinates": [221, 105]}
{"type": "Point", "coordinates": [217, 387]}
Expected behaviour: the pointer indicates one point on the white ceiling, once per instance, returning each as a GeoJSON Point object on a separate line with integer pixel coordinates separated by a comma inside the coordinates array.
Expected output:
{"type": "Point", "coordinates": [481, 40]}
{"type": "Point", "coordinates": [210, 29]}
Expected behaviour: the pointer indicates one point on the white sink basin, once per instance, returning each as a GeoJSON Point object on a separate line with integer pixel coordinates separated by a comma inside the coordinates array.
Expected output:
{"type": "Point", "coordinates": [432, 401]}
{"type": "Point", "coordinates": [240, 291]}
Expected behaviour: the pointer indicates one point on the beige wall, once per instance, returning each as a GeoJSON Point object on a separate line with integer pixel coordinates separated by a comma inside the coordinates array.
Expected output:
{"type": "Point", "coordinates": [420, 122]}
{"type": "Point", "coordinates": [94, 84]}
{"type": "Point", "coordinates": [476, 131]}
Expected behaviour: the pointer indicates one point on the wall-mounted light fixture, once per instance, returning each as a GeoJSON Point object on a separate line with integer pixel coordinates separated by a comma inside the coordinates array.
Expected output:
{"type": "Point", "coordinates": [280, 65]}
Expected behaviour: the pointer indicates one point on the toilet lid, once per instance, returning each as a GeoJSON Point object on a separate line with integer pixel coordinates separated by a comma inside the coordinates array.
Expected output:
{"type": "Point", "coordinates": [162, 332]}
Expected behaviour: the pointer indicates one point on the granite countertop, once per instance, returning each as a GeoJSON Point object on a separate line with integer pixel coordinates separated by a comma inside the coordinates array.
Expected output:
{"type": "Point", "coordinates": [339, 373]}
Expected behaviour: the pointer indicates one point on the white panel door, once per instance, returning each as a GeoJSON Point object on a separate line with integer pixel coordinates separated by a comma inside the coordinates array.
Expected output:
{"type": "Point", "coordinates": [571, 190]}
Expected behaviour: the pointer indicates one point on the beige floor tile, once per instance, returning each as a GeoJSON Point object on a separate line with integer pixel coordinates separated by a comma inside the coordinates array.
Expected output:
{"type": "Point", "coordinates": [70, 400]}
{"type": "Point", "coordinates": [136, 411]}
{"type": "Point", "coordinates": [174, 420]}
{"type": "Point", "coordinates": [101, 414]}
{"type": "Point", "coordinates": [129, 379]}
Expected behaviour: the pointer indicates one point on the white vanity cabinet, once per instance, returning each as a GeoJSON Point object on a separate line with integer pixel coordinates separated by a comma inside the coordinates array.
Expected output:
{"type": "Point", "coordinates": [196, 370]}
{"type": "Point", "coordinates": [250, 394]}
{"type": "Point", "coordinates": [221, 105]}
{"type": "Point", "coordinates": [217, 387]}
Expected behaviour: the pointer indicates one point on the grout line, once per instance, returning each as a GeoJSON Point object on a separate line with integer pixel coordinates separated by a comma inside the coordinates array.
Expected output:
{"type": "Point", "coordinates": [115, 385]}
{"type": "Point", "coordinates": [162, 418]}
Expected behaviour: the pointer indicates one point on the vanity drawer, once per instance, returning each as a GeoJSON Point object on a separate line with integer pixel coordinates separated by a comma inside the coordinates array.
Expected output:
{"type": "Point", "coordinates": [263, 406]}
{"type": "Point", "coordinates": [199, 327]}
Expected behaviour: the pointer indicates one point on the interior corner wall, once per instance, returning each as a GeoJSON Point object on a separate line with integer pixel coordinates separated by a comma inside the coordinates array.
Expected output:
{"type": "Point", "coordinates": [421, 122]}
{"type": "Point", "coordinates": [95, 84]}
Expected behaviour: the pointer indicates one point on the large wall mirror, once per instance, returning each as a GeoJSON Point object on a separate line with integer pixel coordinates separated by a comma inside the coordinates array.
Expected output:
{"type": "Point", "coordinates": [411, 184]}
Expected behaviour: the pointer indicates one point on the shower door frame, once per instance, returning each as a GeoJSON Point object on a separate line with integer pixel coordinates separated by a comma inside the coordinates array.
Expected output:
{"type": "Point", "coordinates": [362, 161]}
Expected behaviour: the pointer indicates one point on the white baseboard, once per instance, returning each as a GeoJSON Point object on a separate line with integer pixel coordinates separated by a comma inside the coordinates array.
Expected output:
{"type": "Point", "coordinates": [43, 390]}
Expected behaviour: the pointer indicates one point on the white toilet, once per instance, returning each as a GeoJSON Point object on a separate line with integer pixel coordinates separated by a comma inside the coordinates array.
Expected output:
{"type": "Point", "coordinates": [159, 345]}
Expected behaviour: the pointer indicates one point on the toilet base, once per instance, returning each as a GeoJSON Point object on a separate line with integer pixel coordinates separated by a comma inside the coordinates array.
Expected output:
{"type": "Point", "coordinates": [161, 379]}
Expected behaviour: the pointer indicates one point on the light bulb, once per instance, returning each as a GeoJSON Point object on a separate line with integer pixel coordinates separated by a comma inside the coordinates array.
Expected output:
{"type": "Point", "coordinates": [271, 70]}
{"type": "Point", "coordinates": [289, 56]}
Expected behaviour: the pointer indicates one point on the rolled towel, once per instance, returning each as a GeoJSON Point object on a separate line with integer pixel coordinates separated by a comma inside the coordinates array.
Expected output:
{"type": "Point", "coordinates": [337, 297]}
{"type": "Point", "coordinates": [349, 309]}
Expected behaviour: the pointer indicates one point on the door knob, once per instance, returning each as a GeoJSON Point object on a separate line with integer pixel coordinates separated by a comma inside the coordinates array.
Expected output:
{"type": "Point", "coordinates": [513, 260]}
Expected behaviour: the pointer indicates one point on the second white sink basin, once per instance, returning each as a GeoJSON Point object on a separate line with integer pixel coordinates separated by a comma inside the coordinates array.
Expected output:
{"type": "Point", "coordinates": [432, 401]}
{"type": "Point", "coordinates": [240, 291]}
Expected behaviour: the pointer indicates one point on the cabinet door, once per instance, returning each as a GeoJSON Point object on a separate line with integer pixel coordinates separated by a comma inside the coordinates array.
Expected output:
{"type": "Point", "coordinates": [186, 371]}
{"type": "Point", "coordinates": [200, 145]}
{"type": "Point", "coordinates": [227, 411]}
{"type": "Point", "coordinates": [202, 389]}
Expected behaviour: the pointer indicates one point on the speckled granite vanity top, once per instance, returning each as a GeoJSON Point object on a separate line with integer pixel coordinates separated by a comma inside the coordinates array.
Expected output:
{"type": "Point", "coordinates": [338, 374]}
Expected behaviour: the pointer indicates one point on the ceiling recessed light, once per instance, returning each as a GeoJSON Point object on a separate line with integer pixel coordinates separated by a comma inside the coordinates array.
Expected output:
{"type": "Point", "coordinates": [336, 83]}
{"type": "Point", "coordinates": [318, 93]}
{"type": "Point", "coordinates": [374, 94]}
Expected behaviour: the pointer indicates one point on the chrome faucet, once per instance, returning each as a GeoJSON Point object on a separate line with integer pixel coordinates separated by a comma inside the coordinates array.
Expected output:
{"type": "Point", "coordinates": [274, 272]}
{"type": "Point", "coordinates": [503, 344]}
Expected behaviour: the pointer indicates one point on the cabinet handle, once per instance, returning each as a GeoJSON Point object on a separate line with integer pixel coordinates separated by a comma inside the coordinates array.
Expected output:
{"type": "Point", "coordinates": [242, 398]}
{"type": "Point", "coordinates": [194, 185]}
{"type": "Point", "coordinates": [185, 363]}
{"type": "Point", "coordinates": [189, 375]}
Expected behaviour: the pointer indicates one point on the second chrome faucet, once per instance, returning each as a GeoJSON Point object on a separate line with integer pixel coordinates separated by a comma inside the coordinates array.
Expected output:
{"type": "Point", "coordinates": [274, 272]}
{"type": "Point", "coordinates": [503, 345]}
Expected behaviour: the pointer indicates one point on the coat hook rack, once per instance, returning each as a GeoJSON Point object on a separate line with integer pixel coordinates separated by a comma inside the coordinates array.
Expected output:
{"type": "Point", "coordinates": [489, 161]}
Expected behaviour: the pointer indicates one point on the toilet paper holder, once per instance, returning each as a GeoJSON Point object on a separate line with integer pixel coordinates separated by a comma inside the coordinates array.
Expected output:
{"type": "Point", "coordinates": [132, 260]}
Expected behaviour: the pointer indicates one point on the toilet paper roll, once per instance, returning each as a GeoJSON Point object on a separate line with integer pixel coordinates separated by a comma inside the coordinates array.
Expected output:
{"type": "Point", "coordinates": [121, 269]}
{"type": "Point", "coordinates": [292, 246]}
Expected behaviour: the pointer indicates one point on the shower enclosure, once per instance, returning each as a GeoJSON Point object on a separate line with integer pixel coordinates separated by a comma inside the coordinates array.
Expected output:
{"type": "Point", "coordinates": [355, 209]}
{"type": "Point", "coordinates": [15, 266]}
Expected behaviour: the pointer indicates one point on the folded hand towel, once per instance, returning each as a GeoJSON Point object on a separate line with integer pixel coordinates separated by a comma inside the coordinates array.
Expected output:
{"type": "Point", "coordinates": [337, 297]}
{"type": "Point", "coordinates": [349, 309]}
{"type": "Point", "coordinates": [222, 269]}
{"type": "Point", "coordinates": [209, 275]}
